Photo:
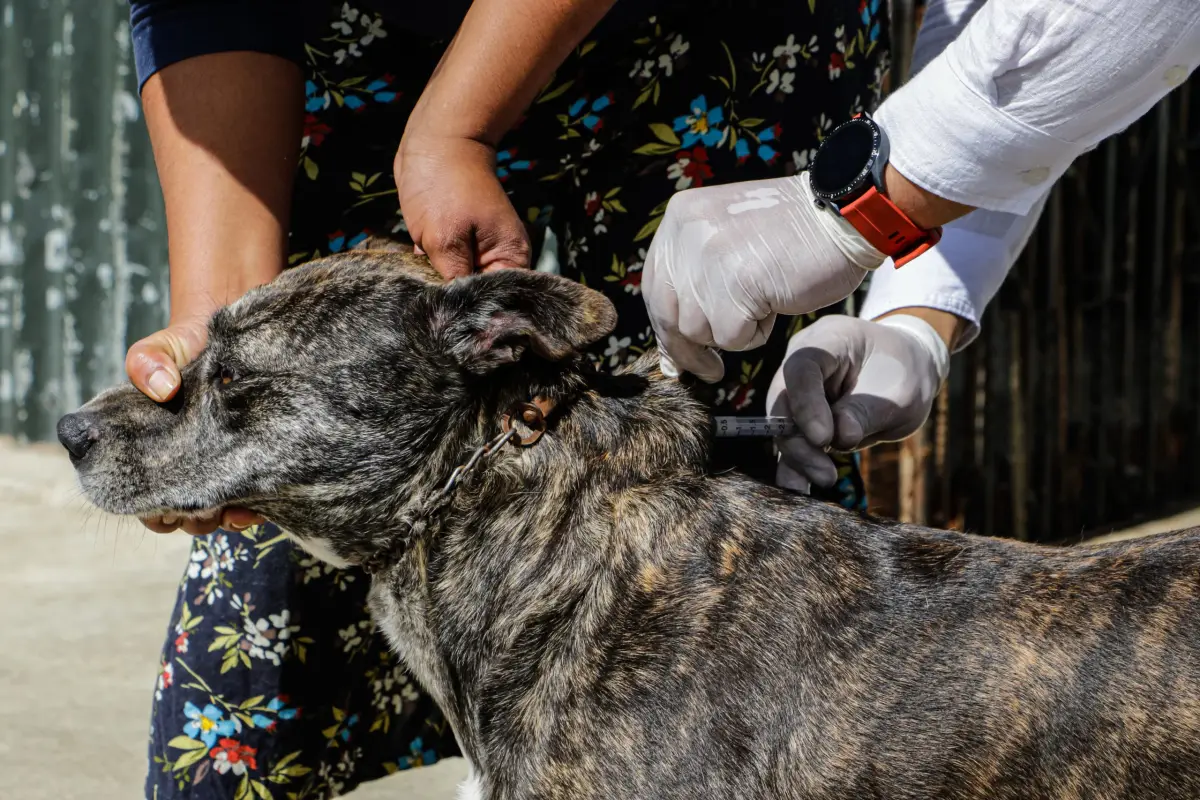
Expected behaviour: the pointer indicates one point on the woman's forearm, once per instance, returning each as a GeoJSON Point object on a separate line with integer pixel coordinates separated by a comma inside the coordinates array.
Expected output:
{"type": "Point", "coordinates": [226, 131]}
{"type": "Point", "coordinates": [504, 53]}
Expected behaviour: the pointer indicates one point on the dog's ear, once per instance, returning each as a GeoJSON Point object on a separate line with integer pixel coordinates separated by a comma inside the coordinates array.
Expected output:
{"type": "Point", "coordinates": [489, 320]}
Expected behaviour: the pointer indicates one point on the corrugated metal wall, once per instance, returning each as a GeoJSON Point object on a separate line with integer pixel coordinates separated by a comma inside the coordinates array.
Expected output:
{"type": "Point", "coordinates": [82, 250]}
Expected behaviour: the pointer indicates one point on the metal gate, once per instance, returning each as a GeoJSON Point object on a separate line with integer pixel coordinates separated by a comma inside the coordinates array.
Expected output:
{"type": "Point", "coordinates": [82, 244]}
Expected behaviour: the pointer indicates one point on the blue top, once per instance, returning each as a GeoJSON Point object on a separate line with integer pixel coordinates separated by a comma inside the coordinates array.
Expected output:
{"type": "Point", "coordinates": [167, 31]}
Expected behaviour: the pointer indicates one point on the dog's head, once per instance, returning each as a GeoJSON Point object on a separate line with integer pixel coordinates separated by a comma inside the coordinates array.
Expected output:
{"type": "Point", "coordinates": [323, 393]}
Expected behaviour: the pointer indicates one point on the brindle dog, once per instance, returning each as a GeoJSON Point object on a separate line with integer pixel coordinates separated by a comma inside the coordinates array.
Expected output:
{"type": "Point", "coordinates": [598, 616]}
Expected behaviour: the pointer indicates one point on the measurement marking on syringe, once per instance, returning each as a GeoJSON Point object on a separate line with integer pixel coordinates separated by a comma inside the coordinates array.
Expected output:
{"type": "Point", "coordinates": [750, 427]}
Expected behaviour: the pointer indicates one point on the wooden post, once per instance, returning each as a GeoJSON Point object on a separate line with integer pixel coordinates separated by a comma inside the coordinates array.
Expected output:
{"type": "Point", "coordinates": [1020, 454]}
{"type": "Point", "coordinates": [912, 479]}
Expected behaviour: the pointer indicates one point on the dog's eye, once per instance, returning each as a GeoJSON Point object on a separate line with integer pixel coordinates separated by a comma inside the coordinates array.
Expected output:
{"type": "Point", "coordinates": [226, 375]}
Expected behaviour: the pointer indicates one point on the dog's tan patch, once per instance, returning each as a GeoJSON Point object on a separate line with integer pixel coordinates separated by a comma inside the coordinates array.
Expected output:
{"type": "Point", "coordinates": [417, 266]}
{"type": "Point", "coordinates": [730, 551]}
{"type": "Point", "coordinates": [650, 578]}
{"type": "Point", "coordinates": [409, 261]}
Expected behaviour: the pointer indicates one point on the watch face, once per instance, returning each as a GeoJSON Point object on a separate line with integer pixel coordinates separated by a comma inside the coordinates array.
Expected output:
{"type": "Point", "coordinates": [845, 159]}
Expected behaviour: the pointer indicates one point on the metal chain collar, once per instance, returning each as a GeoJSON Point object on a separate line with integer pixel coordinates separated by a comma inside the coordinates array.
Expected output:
{"type": "Point", "coordinates": [532, 414]}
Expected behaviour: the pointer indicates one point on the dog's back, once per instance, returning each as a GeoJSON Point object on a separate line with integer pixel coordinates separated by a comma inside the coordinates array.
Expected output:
{"type": "Point", "coordinates": [797, 651]}
{"type": "Point", "coordinates": [970, 667]}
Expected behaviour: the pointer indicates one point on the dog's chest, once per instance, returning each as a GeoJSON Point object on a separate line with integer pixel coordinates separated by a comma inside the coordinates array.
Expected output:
{"type": "Point", "coordinates": [402, 620]}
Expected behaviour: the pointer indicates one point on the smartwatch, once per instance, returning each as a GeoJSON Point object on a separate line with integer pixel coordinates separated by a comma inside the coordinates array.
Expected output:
{"type": "Point", "coordinates": [846, 177]}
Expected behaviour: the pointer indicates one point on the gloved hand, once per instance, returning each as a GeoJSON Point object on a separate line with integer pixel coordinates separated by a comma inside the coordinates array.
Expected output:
{"type": "Point", "coordinates": [850, 383]}
{"type": "Point", "coordinates": [727, 259]}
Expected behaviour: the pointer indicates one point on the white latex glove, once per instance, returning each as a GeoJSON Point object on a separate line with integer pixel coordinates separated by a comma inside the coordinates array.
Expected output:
{"type": "Point", "coordinates": [850, 383]}
{"type": "Point", "coordinates": [727, 259]}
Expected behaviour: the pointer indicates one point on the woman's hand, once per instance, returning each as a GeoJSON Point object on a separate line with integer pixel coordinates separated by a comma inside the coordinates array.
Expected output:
{"type": "Point", "coordinates": [154, 365]}
{"type": "Point", "coordinates": [445, 169]}
{"type": "Point", "coordinates": [225, 129]}
{"type": "Point", "coordinates": [455, 208]}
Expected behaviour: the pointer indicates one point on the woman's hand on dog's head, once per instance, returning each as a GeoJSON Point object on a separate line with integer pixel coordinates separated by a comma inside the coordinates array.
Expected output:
{"type": "Point", "coordinates": [456, 210]}
{"type": "Point", "coordinates": [153, 366]}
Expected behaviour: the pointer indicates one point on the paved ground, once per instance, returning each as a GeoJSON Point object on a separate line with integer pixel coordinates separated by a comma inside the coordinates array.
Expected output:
{"type": "Point", "coordinates": [83, 604]}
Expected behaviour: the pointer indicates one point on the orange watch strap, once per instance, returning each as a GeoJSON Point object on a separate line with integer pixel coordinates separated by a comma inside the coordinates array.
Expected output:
{"type": "Point", "coordinates": [888, 228]}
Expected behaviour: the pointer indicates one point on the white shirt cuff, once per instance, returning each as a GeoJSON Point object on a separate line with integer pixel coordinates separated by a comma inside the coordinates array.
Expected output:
{"type": "Point", "coordinates": [960, 275]}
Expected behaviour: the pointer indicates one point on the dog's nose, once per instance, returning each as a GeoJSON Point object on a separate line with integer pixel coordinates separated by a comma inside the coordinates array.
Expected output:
{"type": "Point", "coordinates": [78, 432]}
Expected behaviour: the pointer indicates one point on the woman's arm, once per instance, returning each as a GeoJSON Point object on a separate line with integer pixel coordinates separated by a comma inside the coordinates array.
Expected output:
{"type": "Point", "coordinates": [225, 129]}
{"type": "Point", "coordinates": [504, 53]}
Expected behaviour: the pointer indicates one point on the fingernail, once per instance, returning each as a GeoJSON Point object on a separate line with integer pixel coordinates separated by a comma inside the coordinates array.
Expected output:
{"type": "Point", "coordinates": [238, 526]}
{"type": "Point", "coordinates": [160, 384]}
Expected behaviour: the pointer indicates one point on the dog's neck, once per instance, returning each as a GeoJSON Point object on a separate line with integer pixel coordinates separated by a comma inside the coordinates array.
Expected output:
{"type": "Point", "coordinates": [640, 425]}
{"type": "Point", "coordinates": [534, 529]}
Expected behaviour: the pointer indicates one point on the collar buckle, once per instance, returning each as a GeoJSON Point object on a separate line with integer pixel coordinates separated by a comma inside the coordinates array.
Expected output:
{"type": "Point", "coordinates": [532, 415]}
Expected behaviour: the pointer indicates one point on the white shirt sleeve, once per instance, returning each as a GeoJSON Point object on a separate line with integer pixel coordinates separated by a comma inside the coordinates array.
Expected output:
{"type": "Point", "coordinates": [1028, 86]}
{"type": "Point", "coordinates": [963, 273]}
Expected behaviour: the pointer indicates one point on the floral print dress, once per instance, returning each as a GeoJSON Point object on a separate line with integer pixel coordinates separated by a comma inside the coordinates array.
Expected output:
{"type": "Point", "coordinates": [274, 681]}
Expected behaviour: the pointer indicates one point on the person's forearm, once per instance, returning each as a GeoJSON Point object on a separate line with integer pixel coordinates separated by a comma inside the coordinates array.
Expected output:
{"type": "Point", "coordinates": [921, 205]}
{"type": "Point", "coordinates": [948, 327]}
{"type": "Point", "coordinates": [225, 129]}
{"type": "Point", "coordinates": [502, 56]}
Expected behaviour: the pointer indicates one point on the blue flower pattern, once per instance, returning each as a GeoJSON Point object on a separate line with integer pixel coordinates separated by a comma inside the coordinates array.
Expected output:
{"type": "Point", "coordinates": [702, 126]}
{"type": "Point", "coordinates": [207, 724]}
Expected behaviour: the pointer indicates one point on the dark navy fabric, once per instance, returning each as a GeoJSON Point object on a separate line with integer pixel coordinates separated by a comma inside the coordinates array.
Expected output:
{"type": "Point", "coordinates": [168, 31]}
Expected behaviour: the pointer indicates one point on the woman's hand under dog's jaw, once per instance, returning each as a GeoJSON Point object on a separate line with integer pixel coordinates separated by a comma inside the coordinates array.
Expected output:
{"type": "Point", "coordinates": [456, 211]}
{"type": "Point", "coordinates": [230, 519]}
{"type": "Point", "coordinates": [224, 128]}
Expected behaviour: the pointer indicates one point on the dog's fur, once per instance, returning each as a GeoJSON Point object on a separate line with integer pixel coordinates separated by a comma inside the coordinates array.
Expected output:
{"type": "Point", "coordinates": [601, 618]}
